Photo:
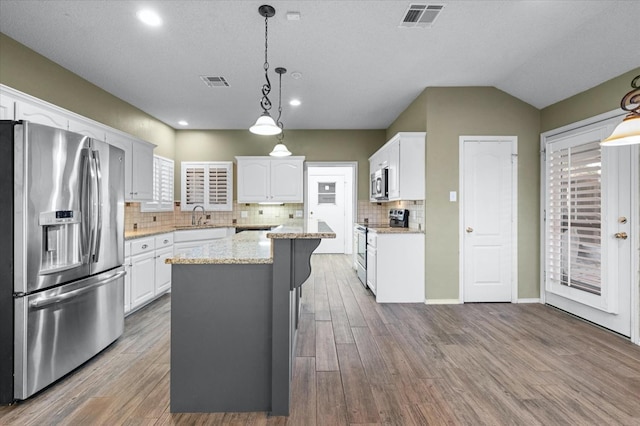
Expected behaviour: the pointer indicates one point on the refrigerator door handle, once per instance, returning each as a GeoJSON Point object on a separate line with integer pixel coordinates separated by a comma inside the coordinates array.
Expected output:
{"type": "Point", "coordinates": [97, 216]}
{"type": "Point", "coordinates": [43, 302]}
{"type": "Point", "coordinates": [85, 206]}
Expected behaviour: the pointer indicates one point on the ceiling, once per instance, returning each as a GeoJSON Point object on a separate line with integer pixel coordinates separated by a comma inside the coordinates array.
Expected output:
{"type": "Point", "coordinates": [359, 68]}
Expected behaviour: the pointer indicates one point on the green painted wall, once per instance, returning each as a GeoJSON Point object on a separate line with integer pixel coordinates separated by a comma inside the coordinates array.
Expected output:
{"type": "Point", "coordinates": [603, 98]}
{"type": "Point", "coordinates": [412, 119]}
{"type": "Point", "coordinates": [27, 71]}
{"type": "Point", "coordinates": [315, 145]}
{"type": "Point", "coordinates": [484, 111]}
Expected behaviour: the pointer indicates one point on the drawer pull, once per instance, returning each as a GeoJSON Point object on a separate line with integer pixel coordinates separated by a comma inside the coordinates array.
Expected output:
{"type": "Point", "coordinates": [144, 246]}
{"type": "Point", "coordinates": [165, 241]}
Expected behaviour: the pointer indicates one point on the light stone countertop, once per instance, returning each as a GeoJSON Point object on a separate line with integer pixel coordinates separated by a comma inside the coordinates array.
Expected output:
{"type": "Point", "coordinates": [132, 235]}
{"type": "Point", "coordinates": [390, 230]}
{"type": "Point", "coordinates": [249, 247]}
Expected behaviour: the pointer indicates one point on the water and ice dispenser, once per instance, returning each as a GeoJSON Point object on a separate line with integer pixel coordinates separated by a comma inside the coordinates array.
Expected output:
{"type": "Point", "coordinates": [61, 246]}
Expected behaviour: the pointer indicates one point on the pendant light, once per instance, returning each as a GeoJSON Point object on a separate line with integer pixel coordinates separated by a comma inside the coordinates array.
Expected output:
{"type": "Point", "coordinates": [265, 124]}
{"type": "Point", "coordinates": [628, 132]}
{"type": "Point", "coordinates": [280, 150]}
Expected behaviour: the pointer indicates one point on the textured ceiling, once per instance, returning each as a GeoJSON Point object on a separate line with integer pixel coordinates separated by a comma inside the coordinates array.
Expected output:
{"type": "Point", "coordinates": [359, 68]}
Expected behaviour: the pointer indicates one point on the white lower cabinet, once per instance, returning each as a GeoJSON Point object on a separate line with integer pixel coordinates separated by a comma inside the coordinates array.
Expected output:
{"type": "Point", "coordinates": [372, 267]}
{"type": "Point", "coordinates": [398, 271]}
{"type": "Point", "coordinates": [164, 250]}
{"type": "Point", "coordinates": [147, 275]}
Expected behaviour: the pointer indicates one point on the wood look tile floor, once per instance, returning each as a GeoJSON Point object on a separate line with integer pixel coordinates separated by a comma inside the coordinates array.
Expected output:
{"type": "Point", "coordinates": [358, 362]}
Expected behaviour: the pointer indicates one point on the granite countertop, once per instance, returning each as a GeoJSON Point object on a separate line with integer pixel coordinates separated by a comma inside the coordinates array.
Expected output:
{"type": "Point", "coordinates": [382, 229]}
{"type": "Point", "coordinates": [302, 229]}
{"type": "Point", "coordinates": [131, 235]}
{"type": "Point", "coordinates": [249, 247]}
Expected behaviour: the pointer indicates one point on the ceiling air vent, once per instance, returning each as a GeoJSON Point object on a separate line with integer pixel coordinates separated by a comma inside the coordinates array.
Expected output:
{"type": "Point", "coordinates": [421, 15]}
{"type": "Point", "coordinates": [214, 81]}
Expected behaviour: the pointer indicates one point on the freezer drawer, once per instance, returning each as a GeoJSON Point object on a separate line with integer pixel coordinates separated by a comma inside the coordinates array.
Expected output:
{"type": "Point", "coordinates": [58, 330]}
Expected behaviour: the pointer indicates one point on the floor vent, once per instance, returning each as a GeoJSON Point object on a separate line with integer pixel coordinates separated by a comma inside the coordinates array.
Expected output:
{"type": "Point", "coordinates": [214, 81]}
{"type": "Point", "coordinates": [421, 15]}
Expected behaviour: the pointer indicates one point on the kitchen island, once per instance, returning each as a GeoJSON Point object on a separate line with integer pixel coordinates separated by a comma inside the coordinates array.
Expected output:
{"type": "Point", "coordinates": [234, 317]}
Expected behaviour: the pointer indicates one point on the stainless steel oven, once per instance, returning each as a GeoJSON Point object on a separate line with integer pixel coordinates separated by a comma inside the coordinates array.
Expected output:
{"type": "Point", "coordinates": [361, 255]}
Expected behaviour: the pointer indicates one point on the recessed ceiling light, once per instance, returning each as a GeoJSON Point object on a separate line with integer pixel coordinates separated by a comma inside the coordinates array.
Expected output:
{"type": "Point", "coordinates": [293, 16]}
{"type": "Point", "coordinates": [149, 17]}
{"type": "Point", "coordinates": [294, 102]}
{"type": "Point", "coordinates": [183, 123]}
{"type": "Point", "coordinates": [296, 75]}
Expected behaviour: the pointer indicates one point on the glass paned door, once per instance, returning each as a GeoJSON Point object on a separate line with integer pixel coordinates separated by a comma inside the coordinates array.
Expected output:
{"type": "Point", "coordinates": [587, 192]}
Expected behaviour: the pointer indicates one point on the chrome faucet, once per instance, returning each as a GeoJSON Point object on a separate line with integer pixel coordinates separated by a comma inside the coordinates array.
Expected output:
{"type": "Point", "coordinates": [193, 215]}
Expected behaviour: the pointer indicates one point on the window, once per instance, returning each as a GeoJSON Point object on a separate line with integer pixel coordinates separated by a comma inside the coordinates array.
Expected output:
{"type": "Point", "coordinates": [574, 214]}
{"type": "Point", "coordinates": [162, 186]}
{"type": "Point", "coordinates": [326, 192]}
{"type": "Point", "coordinates": [207, 184]}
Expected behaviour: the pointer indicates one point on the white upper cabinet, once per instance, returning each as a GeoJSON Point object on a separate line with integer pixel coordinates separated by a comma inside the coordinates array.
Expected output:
{"type": "Point", "coordinates": [138, 166]}
{"type": "Point", "coordinates": [87, 128]}
{"type": "Point", "coordinates": [138, 153]}
{"type": "Point", "coordinates": [403, 157]}
{"type": "Point", "coordinates": [7, 106]}
{"type": "Point", "coordinates": [41, 113]}
{"type": "Point", "coordinates": [270, 180]}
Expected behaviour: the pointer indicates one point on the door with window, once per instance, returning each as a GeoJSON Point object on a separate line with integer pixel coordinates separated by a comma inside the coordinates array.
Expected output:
{"type": "Point", "coordinates": [588, 193]}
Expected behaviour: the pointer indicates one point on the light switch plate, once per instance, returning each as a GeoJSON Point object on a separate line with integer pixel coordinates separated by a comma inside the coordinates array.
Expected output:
{"type": "Point", "coordinates": [298, 213]}
{"type": "Point", "coordinates": [244, 214]}
{"type": "Point", "coordinates": [453, 196]}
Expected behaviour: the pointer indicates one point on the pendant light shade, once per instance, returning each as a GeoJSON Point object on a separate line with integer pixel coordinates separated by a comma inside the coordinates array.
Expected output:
{"type": "Point", "coordinates": [265, 125]}
{"type": "Point", "coordinates": [628, 132]}
{"type": "Point", "coordinates": [280, 150]}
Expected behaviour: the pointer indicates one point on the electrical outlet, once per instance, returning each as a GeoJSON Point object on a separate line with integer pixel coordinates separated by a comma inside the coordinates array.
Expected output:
{"type": "Point", "coordinates": [260, 212]}
{"type": "Point", "coordinates": [154, 218]}
{"type": "Point", "coordinates": [298, 213]}
{"type": "Point", "coordinates": [290, 216]}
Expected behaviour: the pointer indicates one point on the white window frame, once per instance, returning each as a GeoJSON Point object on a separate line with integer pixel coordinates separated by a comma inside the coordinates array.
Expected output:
{"type": "Point", "coordinates": [162, 188]}
{"type": "Point", "coordinates": [221, 201]}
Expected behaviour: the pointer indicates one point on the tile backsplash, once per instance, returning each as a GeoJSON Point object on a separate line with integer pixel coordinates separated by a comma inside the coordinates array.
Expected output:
{"type": "Point", "coordinates": [379, 212]}
{"type": "Point", "coordinates": [257, 214]}
{"type": "Point", "coordinates": [253, 214]}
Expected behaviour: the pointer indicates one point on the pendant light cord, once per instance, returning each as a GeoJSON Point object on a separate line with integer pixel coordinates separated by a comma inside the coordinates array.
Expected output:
{"type": "Point", "coordinates": [280, 136]}
{"type": "Point", "coordinates": [265, 103]}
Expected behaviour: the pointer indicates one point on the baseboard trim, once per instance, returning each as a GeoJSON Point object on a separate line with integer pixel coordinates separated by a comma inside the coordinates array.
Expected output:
{"type": "Point", "coordinates": [532, 300]}
{"type": "Point", "coordinates": [442, 302]}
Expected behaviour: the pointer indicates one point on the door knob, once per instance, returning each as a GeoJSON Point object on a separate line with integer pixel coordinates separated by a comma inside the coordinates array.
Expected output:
{"type": "Point", "coordinates": [621, 235]}
{"type": "Point", "coordinates": [469, 229]}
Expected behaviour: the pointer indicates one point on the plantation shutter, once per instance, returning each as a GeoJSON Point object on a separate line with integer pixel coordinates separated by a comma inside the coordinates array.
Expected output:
{"type": "Point", "coordinates": [162, 186]}
{"type": "Point", "coordinates": [207, 184]}
{"type": "Point", "coordinates": [574, 206]}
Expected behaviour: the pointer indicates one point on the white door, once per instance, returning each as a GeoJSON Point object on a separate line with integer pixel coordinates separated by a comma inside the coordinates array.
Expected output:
{"type": "Point", "coordinates": [589, 216]}
{"type": "Point", "coordinates": [327, 203]}
{"type": "Point", "coordinates": [488, 218]}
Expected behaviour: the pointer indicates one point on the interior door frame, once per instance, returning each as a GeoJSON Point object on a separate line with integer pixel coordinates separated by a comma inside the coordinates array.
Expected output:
{"type": "Point", "coordinates": [635, 216]}
{"type": "Point", "coordinates": [354, 191]}
{"type": "Point", "coordinates": [513, 140]}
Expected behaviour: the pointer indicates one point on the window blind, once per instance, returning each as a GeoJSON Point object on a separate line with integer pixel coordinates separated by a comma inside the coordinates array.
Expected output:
{"type": "Point", "coordinates": [207, 184]}
{"type": "Point", "coordinates": [162, 186]}
{"type": "Point", "coordinates": [574, 206]}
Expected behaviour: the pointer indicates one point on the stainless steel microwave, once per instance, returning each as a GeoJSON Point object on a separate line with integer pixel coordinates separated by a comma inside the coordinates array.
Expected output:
{"type": "Point", "coordinates": [379, 184]}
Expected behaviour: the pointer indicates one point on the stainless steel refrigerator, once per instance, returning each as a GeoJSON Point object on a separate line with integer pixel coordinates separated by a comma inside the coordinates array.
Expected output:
{"type": "Point", "coordinates": [67, 281]}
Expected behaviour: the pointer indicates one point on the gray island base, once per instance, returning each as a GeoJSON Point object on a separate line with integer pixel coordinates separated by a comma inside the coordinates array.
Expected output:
{"type": "Point", "coordinates": [234, 319]}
